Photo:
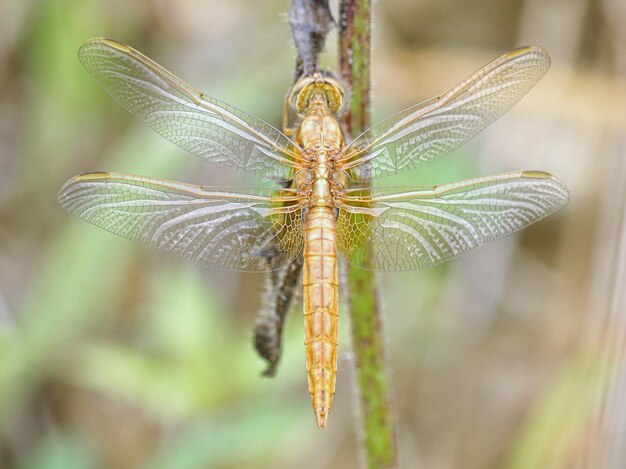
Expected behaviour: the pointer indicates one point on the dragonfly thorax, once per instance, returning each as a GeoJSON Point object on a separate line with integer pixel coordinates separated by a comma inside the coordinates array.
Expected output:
{"type": "Point", "coordinates": [319, 131]}
{"type": "Point", "coordinates": [321, 139]}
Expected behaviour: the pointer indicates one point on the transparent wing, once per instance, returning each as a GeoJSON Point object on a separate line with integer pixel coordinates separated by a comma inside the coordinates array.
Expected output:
{"type": "Point", "coordinates": [432, 129]}
{"type": "Point", "coordinates": [426, 226]}
{"type": "Point", "coordinates": [201, 125]}
{"type": "Point", "coordinates": [216, 229]}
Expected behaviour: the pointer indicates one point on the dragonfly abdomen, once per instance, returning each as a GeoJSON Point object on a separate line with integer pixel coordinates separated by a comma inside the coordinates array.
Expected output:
{"type": "Point", "coordinates": [321, 293]}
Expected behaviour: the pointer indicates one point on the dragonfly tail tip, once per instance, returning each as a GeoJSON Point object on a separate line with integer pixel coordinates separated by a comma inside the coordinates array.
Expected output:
{"type": "Point", "coordinates": [321, 415]}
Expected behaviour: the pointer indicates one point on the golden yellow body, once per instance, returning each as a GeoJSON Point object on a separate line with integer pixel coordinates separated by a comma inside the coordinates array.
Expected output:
{"type": "Point", "coordinates": [321, 138]}
{"type": "Point", "coordinates": [265, 230]}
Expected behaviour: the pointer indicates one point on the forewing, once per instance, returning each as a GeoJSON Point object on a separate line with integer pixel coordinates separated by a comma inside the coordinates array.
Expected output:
{"type": "Point", "coordinates": [426, 226]}
{"type": "Point", "coordinates": [434, 128]}
{"type": "Point", "coordinates": [201, 125]}
{"type": "Point", "coordinates": [224, 230]}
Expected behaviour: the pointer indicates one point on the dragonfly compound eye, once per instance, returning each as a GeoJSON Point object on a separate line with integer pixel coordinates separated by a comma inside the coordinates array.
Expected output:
{"type": "Point", "coordinates": [308, 87]}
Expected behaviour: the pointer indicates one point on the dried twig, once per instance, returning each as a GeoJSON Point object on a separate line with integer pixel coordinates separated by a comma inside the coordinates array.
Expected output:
{"type": "Point", "coordinates": [278, 296]}
{"type": "Point", "coordinates": [310, 22]}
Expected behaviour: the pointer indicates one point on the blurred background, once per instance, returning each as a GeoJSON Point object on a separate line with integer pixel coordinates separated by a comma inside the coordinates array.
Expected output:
{"type": "Point", "coordinates": [115, 356]}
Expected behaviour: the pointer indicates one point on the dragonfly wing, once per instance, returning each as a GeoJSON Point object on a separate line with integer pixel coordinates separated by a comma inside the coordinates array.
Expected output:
{"type": "Point", "coordinates": [201, 125]}
{"type": "Point", "coordinates": [424, 132]}
{"type": "Point", "coordinates": [426, 226]}
{"type": "Point", "coordinates": [223, 230]}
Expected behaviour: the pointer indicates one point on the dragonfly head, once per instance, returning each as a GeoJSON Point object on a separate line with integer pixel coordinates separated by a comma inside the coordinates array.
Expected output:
{"type": "Point", "coordinates": [317, 89]}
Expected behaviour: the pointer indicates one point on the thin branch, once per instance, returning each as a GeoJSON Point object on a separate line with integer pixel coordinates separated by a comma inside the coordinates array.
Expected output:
{"type": "Point", "coordinates": [376, 421]}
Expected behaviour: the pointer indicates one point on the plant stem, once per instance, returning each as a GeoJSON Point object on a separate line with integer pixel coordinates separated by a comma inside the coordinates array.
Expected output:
{"type": "Point", "coordinates": [376, 422]}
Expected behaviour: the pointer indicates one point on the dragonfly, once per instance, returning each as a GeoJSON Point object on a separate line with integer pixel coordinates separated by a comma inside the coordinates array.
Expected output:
{"type": "Point", "coordinates": [322, 210]}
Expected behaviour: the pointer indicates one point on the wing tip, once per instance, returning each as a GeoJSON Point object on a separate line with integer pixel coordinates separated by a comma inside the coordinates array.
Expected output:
{"type": "Point", "coordinates": [532, 174]}
{"type": "Point", "coordinates": [529, 50]}
{"type": "Point", "coordinates": [102, 40]}
{"type": "Point", "coordinates": [560, 185]}
{"type": "Point", "coordinates": [83, 50]}
{"type": "Point", "coordinates": [94, 176]}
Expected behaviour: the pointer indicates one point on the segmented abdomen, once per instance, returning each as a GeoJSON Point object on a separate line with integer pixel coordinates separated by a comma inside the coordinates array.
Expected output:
{"type": "Point", "coordinates": [321, 292]}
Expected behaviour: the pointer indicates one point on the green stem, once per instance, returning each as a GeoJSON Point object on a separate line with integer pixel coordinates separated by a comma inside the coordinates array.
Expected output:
{"type": "Point", "coordinates": [377, 426]}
